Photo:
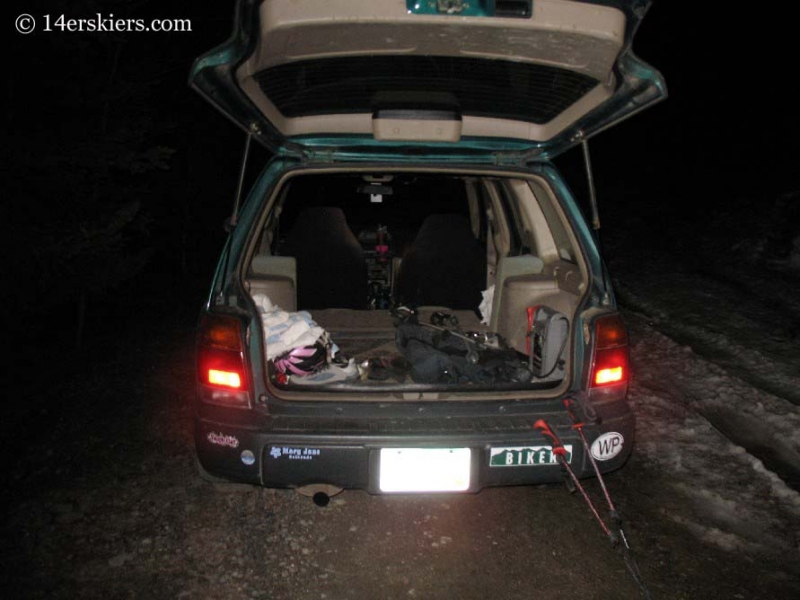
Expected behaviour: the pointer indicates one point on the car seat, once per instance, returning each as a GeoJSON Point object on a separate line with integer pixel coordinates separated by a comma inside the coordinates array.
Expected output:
{"type": "Point", "coordinates": [331, 269]}
{"type": "Point", "coordinates": [445, 266]}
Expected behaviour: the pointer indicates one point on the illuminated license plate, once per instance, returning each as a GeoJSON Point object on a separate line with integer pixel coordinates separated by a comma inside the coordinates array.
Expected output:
{"type": "Point", "coordinates": [424, 469]}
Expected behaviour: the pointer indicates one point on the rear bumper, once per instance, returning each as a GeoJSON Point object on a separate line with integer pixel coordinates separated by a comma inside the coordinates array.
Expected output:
{"type": "Point", "coordinates": [309, 452]}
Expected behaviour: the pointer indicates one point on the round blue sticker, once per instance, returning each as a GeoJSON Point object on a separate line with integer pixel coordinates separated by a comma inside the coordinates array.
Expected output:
{"type": "Point", "coordinates": [248, 457]}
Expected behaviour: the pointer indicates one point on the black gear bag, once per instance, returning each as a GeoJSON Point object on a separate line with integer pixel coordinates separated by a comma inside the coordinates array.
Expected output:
{"type": "Point", "coordinates": [437, 355]}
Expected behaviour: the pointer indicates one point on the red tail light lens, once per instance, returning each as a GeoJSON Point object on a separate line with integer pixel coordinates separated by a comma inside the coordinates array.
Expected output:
{"type": "Point", "coordinates": [230, 379]}
{"type": "Point", "coordinates": [220, 357]}
{"type": "Point", "coordinates": [610, 375]}
{"type": "Point", "coordinates": [610, 364]}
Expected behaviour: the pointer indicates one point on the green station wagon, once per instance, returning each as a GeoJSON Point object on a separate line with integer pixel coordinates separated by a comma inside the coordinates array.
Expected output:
{"type": "Point", "coordinates": [409, 286]}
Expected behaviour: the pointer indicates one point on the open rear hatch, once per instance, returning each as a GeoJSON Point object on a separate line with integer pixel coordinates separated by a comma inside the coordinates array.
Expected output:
{"type": "Point", "coordinates": [449, 281]}
{"type": "Point", "coordinates": [471, 78]}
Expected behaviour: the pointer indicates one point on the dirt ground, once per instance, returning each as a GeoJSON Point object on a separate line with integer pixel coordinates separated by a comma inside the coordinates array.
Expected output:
{"type": "Point", "coordinates": [103, 501]}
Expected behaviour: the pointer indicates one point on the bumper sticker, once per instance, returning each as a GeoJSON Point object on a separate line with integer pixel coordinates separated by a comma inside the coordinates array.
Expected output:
{"type": "Point", "coordinates": [220, 439]}
{"type": "Point", "coordinates": [607, 446]}
{"type": "Point", "coordinates": [526, 456]}
{"type": "Point", "coordinates": [294, 453]}
{"type": "Point", "coordinates": [248, 457]}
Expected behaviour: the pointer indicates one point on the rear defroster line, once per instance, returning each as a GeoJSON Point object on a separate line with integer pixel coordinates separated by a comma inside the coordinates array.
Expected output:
{"type": "Point", "coordinates": [616, 536]}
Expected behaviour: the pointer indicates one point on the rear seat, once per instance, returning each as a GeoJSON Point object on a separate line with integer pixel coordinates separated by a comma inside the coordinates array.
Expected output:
{"type": "Point", "coordinates": [331, 269]}
{"type": "Point", "coordinates": [445, 266]}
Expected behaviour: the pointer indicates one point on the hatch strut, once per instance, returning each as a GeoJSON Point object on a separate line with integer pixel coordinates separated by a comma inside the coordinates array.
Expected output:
{"type": "Point", "coordinates": [235, 214]}
{"type": "Point", "coordinates": [587, 161]}
{"type": "Point", "coordinates": [230, 222]}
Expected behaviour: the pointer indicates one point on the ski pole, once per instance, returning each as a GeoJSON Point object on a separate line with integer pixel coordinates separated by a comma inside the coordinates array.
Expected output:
{"type": "Point", "coordinates": [625, 549]}
{"type": "Point", "coordinates": [558, 449]}
{"type": "Point", "coordinates": [578, 426]}
{"type": "Point", "coordinates": [530, 311]}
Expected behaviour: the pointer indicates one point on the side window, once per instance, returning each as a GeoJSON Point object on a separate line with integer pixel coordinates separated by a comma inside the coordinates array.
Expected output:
{"type": "Point", "coordinates": [271, 236]}
{"type": "Point", "coordinates": [497, 224]}
{"type": "Point", "coordinates": [561, 238]}
{"type": "Point", "coordinates": [521, 235]}
{"type": "Point", "coordinates": [477, 213]}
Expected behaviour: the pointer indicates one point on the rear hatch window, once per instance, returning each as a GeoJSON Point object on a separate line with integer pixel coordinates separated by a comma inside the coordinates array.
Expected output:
{"type": "Point", "coordinates": [348, 85]}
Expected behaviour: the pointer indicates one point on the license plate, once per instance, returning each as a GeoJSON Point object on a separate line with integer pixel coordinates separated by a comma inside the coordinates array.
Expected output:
{"type": "Point", "coordinates": [425, 469]}
{"type": "Point", "coordinates": [526, 456]}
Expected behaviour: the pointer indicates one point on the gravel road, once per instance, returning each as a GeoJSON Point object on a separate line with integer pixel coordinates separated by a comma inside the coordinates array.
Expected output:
{"type": "Point", "coordinates": [103, 501]}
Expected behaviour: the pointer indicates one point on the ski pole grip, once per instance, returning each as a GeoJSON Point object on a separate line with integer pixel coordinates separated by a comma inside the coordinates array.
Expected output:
{"type": "Point", "coordinates": [575, 423]}
{"type": "Point", "coordinates": [542, 427]}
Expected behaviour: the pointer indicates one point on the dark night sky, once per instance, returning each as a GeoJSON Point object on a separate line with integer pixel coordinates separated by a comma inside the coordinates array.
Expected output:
{"type": "Point", "coordinates": [727, 133]}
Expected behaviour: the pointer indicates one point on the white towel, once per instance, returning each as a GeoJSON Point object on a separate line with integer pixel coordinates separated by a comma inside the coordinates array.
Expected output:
{"type": "Point", "coordinates": [486, 304]}
{"type": "Point", "coordinates": [284, 330]}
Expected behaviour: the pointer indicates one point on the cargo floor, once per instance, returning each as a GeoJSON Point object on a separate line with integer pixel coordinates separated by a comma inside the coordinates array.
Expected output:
{"type": "Point", "coordinates": [363, 334]}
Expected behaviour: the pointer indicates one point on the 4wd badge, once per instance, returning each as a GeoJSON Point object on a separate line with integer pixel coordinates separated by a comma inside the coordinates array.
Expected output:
{"type": "Point", "coordinates": [607, 446]}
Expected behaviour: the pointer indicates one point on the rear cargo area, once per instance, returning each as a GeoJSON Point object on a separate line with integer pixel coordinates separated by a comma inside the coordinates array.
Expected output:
{"type": "Point", "coordinates": [371, 334]}
{"type": "Point", "coordinates": [479, 261]}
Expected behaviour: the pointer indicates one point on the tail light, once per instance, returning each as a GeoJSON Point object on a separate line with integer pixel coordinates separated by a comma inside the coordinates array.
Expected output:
{"type": "Point", "coordinates": [610, 364]}
{"type": "Point", "coordinates": [220, 359]}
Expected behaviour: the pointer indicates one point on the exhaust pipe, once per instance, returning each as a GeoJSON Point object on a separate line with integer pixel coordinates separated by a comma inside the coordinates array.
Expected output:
{"type": "Point", "coordinates": [320, 493]}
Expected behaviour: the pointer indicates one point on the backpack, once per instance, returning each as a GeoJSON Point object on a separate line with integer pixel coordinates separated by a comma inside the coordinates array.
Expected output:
{"type": "Point", "coordinates": [438, 355]}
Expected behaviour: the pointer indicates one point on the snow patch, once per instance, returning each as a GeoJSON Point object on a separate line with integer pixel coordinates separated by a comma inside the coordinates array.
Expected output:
{"type": "Point", "coordinates": [723, 494]}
